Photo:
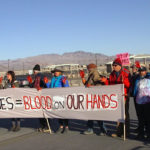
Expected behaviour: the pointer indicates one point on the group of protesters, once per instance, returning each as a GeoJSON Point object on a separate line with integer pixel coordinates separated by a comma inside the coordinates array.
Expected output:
{"type": "Point", "coordinates": [136, 85]}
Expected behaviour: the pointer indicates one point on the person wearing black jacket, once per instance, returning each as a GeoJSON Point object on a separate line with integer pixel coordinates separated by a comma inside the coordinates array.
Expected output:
{"type": "Point", "coordinates": [38, 83]}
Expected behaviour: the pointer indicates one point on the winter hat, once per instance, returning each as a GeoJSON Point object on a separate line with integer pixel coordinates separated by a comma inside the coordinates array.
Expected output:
{"type": "Point", "coordinates": [56, 70]}
{"type": "Point", "coordinates": [136, 65]}
{"type": "Point", "coordinates": [117, 61]}
{"type": "Point", "coordinates": [37, 67]}
{"type": "Point", "coordinates": [142, 68]}
{"type": "Point", "coordinates": [91, 66]}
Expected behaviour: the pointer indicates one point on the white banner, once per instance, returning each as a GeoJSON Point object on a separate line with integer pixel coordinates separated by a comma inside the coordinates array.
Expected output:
{"type": "Point", "coordinates": [94, 103]}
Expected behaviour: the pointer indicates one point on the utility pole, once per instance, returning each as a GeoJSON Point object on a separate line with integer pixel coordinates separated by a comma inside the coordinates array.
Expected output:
{"type": "Point", "coordinates": [8, 64]}
{"type": "Point", "coordinates": [96, 59]}
{"type": "Point", "coordinates": [23, 68]}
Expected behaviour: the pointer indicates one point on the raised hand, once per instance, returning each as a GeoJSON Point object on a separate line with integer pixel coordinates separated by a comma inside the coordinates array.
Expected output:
{"type": "Point", "coordinates": [64, 80]}
{"type": "Point", "coordinates": [1, 78]}
{"type": "Point", "coordinates": [103, 79]}
{"type": "Point", "coordinates": [45, 80]}
{"type": "Point", "coordinates": [29, 78]}
{"type": "Point", "coordinates": [82, 74]}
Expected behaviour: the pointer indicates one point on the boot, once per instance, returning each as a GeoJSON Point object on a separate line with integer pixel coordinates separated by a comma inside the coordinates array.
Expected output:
{"type": "Point", "coordinates": [13, 126]}
{"type": "Point", "coordinates": [18, 126]}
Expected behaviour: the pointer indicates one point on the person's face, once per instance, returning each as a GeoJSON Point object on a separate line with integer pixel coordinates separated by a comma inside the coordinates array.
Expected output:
{"type": "Point", "coordinates": [56, 74]}
{"type": "Point", "coordinates": [9, 77]}
{"type": "Point", "coordinates": [143, 73]}
{"type": "Point", "coordinates": [134, 70]}
{"type": "Point", "coordinates": [35, 72]}
{"type": "Point", "coordinates": [116, 67]}
{"type": "Point", "coordinates": [90, 69]}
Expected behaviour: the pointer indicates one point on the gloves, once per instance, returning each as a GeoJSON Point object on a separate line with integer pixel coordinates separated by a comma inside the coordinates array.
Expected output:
{"type": "Point", "coordinates": [45, 80]}
{"type": "Point", "coordinates": [39, 88]}
{"type": "Point", "coordinates": [29, 78]}
{"type": "Point", "coordinates": [13, 86]}
{"type": "Point", "coordinates": [103, 79]}
{"type": "Point", "coordinates": [64, 80]}
{"type": "Point", "coordinates": [1, 78]}
{"type": "Point", "coordinates": [88, 85]}
{"type": "Point", "coordinates": [82, 74]}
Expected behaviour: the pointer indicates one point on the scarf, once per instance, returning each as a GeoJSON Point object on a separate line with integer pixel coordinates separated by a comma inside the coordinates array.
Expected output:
{"type": "Point", "coordinates": [55, 81]}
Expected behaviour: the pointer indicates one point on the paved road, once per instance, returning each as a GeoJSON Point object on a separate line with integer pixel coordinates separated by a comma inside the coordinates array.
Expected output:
{"type": "Point", "coordinates": [28, 138]}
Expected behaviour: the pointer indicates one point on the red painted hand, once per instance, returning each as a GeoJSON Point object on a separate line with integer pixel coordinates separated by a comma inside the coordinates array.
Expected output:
{"type": "Point", "coordinates": [103, 79]}
{"type": "Point", "coordinates": [1, 78]}
{"type": "Point", "coordinates": [29, 78]}
{"type": "Point", "coordinates": [82, 74]}
{"type": "Point", "coordinates": [45, 80]}
{"type": "Point", "coordinates": [64, 80]}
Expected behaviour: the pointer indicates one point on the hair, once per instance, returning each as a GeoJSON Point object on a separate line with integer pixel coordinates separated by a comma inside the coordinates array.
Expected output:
{"type": "Point", "coordinates": [12, 75]}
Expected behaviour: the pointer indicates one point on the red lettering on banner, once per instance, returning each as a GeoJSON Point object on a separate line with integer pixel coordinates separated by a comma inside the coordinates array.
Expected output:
{"type": "Point", "coordinates": [37, 102]}
{"type": "Point", "coordinates": [31, 103]}
{"type": "Point", "coordinates": [106, 99]}
{"type": "Point", "coordinates": [114, 101]}
{"type": "Point", "coordinates": [48, 102]}
{"type": "Point", "coordinates": [101, 101]}
{"type": "Point", "coordinates": [26, 102]}
{"type": "Point", "coordinates": [95, 102]}
{"type": "Point", "coordinates": [88, 101]}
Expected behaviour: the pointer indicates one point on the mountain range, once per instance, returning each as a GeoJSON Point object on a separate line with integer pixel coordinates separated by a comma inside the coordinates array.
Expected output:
{"type": "Point", "coordinates": [78, 57]}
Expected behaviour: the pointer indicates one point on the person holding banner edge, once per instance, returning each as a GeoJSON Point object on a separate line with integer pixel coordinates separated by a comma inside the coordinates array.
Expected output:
{"type": "Point", "coordinates": [120, 75]}
{"type": "Point", "coordinates": [12, 83]}
{"type": "Point", "coordinates": [93, 80]}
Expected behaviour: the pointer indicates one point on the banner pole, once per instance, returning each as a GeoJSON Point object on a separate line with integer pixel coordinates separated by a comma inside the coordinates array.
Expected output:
{"type": "Point", "coordinates": [50, 131]}
{"type": "Point", "coordinates": [124, 126]}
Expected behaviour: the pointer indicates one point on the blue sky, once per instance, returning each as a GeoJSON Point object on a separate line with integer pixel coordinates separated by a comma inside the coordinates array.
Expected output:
{"type": "Point", "coordinates": [33, 27]}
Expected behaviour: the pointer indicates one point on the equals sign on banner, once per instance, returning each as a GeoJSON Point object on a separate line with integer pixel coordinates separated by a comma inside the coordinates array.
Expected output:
{"type": "Point", "coordinates": [19, 103]}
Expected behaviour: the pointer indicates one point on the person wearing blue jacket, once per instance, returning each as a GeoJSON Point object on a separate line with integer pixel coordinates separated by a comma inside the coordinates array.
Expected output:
{"type": "Point", "coordinates": [59, 81]}
{"type": "Point", "coordinates": [142, 95]}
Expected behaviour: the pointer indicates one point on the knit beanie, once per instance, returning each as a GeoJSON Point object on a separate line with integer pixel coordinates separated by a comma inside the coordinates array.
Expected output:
{"type": "Point", "coordinates": [37, 67]}
{"type": "Point", "coordinates": [117, 61]}
{"type": "Point", "coordinates": [91, 66]}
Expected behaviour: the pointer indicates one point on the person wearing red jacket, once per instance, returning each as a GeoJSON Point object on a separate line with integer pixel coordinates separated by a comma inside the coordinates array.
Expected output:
{"type": "Point", "coordinates": [120, 75]}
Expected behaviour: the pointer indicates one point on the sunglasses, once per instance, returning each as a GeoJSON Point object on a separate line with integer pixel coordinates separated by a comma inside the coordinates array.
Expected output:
{"type": "Point", "coordinates": [115, 65]}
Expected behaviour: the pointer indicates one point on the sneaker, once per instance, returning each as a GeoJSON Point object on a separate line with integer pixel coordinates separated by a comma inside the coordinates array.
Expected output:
{"type": "Point", "coordinates": [114, 135]}
{"type": "Point", "coordinates": [103, 132]}
{"type": "Point", "coordinates": [88, 131]}
{"type": "Point", "coordinates": [39, 130]}
{"type": "Point", "coordinates": [65, 130]}
{"type": "Point", "coordinates": [59, 130]}
{"type": "Point", "coordinates": [12, 128]}
{"type": "Point", "coordinates": [17, 129]}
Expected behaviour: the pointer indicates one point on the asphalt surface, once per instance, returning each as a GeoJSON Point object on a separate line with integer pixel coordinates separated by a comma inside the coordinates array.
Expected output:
{"type": "Point", "coordinates": [28, 138]}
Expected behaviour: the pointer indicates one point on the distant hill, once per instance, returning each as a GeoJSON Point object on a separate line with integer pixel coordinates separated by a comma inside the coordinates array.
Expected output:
{"type": "Point", "coordinates": [78, 57]}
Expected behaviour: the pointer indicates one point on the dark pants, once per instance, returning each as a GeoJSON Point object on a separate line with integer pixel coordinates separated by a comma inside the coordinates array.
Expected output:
{"type": "Point", "coordinates": [100, 123]}
{"type": "Point", "coordinates": [63, 122]}
{"type": "Point", "coordinates": [15, 119]}
{"type": "Point", "coordinates": [135, 104]}
{"type": "Point", "coordinates": [43, 123]}
{"type": "Point", "coordinates": [143, 111]}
